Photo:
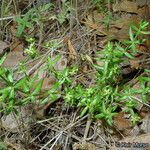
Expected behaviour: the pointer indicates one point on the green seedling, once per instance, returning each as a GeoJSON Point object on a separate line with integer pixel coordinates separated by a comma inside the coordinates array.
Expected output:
{"type": "Point", "coordinates": [31, 50]}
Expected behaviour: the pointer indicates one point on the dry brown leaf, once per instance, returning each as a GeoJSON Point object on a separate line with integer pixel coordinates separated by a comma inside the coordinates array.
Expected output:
{"type": "Point", "coordinates": [134, 64]}
{"type": "Point", "coordinates": [126, 6]}
{"type": "Point", "coordinates": [85, 69]}
{"type": "Point", "coordinates": [101, 31]}
{"type": "Point", "coordinates": [16, 45]}
{"type": "Point", "coordinates": [61, 64]}
{"type": "Point", "coordinates": [96, 17]}
{"type": "Point", "coordinates": [121, 123]}
{"type": "Point", "coordinates": [89, 59]}
{"type": "Point", "coordinates": [121, 34]}
{"type": "Point", "coordinates": [90, 24]}
{"type": "Point", "coordinates": [72, 51]}
{"type": "Point", "coordinates": [48, 82]}
{"type": "Point", "coordinates": [3, 46]}
{"type": "Point", "coordinates": [13, 58]}
{"type": "Point", "coordinates": [144, 14]}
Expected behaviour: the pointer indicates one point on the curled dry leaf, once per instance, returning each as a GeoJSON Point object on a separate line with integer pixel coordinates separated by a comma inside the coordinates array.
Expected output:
{"type": "Point", "coordinates": [72, 51]}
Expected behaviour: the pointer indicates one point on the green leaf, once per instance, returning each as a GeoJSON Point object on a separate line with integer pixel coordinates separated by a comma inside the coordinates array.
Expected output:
{"type": "Point", "coordinates": [145, 79]}
{"type": "Point", "coordinates": [20, 30]}
{"type": "Point", "coordinates": [109, 121]}
{"type": "Point", "coordinates": [84, 111]}
{"type": "Point", "coordinates": [128, 55]}
{"type": "Point", "coordinates": [22, 84]}
{"type": "Point", "coordinates": [3, 59]}
{"type": "Point", "coordinates": [45, 100]}
{"type": "Point", "coordinates": [131, 34]}
{"type": "Point", "coordinates": [38, 88]}
{"type": "Point", "coordinates": [10, 76]}
{"type": "Point", "coordinates": [11, 105]}
{"type": "Point", "coordinates": [47, 6]}
{"type": "Point", "coordinates": [12, 94]}
{"type": "Point", "coordinates": [145, 32]}
{"type": "Point", "coordinates": [3, 146]}
{"type": "Point", "coordinates": [100, 116]}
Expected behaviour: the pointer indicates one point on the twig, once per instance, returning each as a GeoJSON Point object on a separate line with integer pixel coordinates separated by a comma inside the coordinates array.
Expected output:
{"type": "Point", "coordinates": [58, 135]}
{"type": "Point", "coordinates": [89, 121]}
{"type": "Point", "coordinates": [9, 18]}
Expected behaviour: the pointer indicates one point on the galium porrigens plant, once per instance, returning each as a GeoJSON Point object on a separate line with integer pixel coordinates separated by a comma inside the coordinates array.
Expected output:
{"type": "Point", "coordinates": [11, 88]}
{"type": "Point", "coordinates": [105, 98]}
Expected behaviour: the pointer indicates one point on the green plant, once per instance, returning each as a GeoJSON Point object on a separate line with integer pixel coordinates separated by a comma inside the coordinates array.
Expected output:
{"type": "Point", "coordinates": [25, 22]}
{"type": "Point", "coordinates": [12, 89]}
{"type": "Point", "coordinates": [32, 17]}
{"type": "Point", "coordinates": [103, 98]}
{"type": "Point", "coordinates": [52, 44]}
{"type": "Point", "coordinates": [3, 146]}
{"type": "Point", "coordinates": [31, 50]}
{"type": "Point", "coordinates": [100, 4]}
{"type": "Point", "coordinates": [135, 36]}
{"type": "Point", "coordinates": [64, 13]}
{"type": "Point", "coordinates": [100, 100]}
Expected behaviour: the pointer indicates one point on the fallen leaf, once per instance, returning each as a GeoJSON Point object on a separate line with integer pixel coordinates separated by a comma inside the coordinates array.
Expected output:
{"type": "Point", "coordinates": [48, 82]}
{"type": "Point", "coordinates": [126, 6]}
{"type": "Point", "coordinates": [3, 46]}
{"type": "Point", "coordinates": [134, 63]}
{"type": "Point", "coordinates": [13, 59]}
{"type": "Point", "coordinates": [121, 123]}
{"type": "Point", "coordinates": [72, 51]}
{"type": "Point", "coordinates": [61, 64]}
{"type": "Point", "coordinates": [90, 24]}
{"type": "Point", "coordinates": [145, 126]}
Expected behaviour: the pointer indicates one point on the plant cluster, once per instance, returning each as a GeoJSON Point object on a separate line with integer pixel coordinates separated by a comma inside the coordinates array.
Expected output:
{"type": "Point", "coordinates": [16, 93]}
{"type": "Point", "coordinates": [35, 17]}
{"type": "Point", "coordinates": [100, 100]}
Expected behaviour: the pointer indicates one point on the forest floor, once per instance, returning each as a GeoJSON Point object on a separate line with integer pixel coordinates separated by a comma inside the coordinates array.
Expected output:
{"type": "Point", "coordinates": [90, 65]}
